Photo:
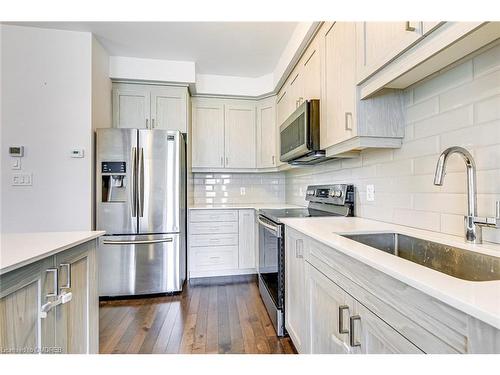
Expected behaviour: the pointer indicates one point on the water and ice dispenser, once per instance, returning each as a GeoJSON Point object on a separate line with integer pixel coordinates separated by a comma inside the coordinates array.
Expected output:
{"type": "Point", "coordinates": [114, 181]}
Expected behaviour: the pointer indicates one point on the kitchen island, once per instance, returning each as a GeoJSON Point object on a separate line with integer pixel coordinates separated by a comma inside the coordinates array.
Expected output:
{"type": "Point", "coordinates": [48, 292]}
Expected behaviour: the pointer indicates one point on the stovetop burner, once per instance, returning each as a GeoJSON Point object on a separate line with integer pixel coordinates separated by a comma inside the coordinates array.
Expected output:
{"type": "Point", "coordinates": [277, 214]}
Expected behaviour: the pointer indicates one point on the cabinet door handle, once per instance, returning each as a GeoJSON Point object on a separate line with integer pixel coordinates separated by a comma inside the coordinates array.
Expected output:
{"type": "Point", "coordinates": [273, 159]}
{"type": "Point", "coordinates": [408, 26]}
{"type": "Point", "coordinates": [68, 275]}
{"type": "Point", "coordinates": [352, 337]}
{"type": "Point", "coordinates": [227, 161]}
{"type": "Point", "coordinates": [147, 124]}
{"type": "Point", "coordinates": [222, 161]}
{"type": "Point", "coordinates": [55, 282]}
{"type": "Point", "coordinates": [299, 246]}
{"type": "Point", "coordinates": [348, 124]}
{"type": "Point", "coordinates": [342, 308]}
{"type": "Point", "coordinates": [152, 123]}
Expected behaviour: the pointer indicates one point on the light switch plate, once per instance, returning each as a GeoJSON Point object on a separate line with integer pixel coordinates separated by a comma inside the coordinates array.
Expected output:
{"type": "Point", "coordinates": [370, 193]}
{"type": "Point", "coordinates": [22, 179]}
{"type": "Point", "coordinates": [77, 153]}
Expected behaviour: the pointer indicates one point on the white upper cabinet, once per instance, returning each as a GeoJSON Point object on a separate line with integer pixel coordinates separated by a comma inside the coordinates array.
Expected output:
{"type": "Point", "coordinates": [380, 42]}
{"type": "Point", "coordinates": [130, 106]}
{"type": "Point", "coordinates": [224, 134]}
{"type": "Point", "coordinates": [169, 108]}
{"type": "Point", "coordinates": [311, 80]}
{"type": "Point", "coordinates": [208, 134]}
{"type": "Point", "coordinates": [149, 106]}
{"type": "Point", "coordinates": [240, 130]}
{"type": "Point", "coordinates": [266, 133]}
{"type": "Point", "coordinates": [338, 99]}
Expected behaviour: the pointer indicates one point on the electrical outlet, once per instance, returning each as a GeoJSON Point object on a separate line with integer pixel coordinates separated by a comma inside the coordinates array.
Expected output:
{"type": "Point", "coordinates": [243, 191]}
{"type": "Point", "coordinates": [16, 163]}
{"type": "Point", "coordinates": [370, 193]}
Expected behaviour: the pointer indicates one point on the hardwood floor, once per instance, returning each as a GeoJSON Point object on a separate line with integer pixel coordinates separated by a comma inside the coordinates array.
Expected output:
{"type": "Point", "coordinates": [212, 316]}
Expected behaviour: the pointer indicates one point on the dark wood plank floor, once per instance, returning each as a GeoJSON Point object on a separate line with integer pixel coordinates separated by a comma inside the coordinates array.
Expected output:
{"type": "Point", "coordinates": [223, 315]}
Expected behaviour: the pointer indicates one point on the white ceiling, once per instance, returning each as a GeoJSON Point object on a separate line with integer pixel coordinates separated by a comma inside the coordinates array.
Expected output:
{"type": "Point", "coordinates": [247, 49]}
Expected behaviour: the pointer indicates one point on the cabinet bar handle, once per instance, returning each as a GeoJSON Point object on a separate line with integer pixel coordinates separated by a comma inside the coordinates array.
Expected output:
{"type": "Point", "coordinates": [352, 337]}
{"type": "Point", "coordinates": [408, 27]}
{"type": "Point", "coordinates": [227, 161]}
{"type": "Point", "coordinates": [348, 124]}
{"type": "Point", "coordinates": [299, 245]}
{"type": "Point", "coordinates": [55, 282]}
{"type": "Point", "coordinates": [152, 123]}
{"type": "Point", "coordinates": [273, 159]}
{"type": "Point", "coordinates": [68, 275]}
{"type": "Point", "coordinates": [147, 124]}
{"type": "Point", "coordinates": [342, 308]}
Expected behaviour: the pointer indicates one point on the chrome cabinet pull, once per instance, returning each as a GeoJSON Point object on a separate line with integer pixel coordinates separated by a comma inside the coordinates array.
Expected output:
{"type": "Point", "coordinates": [352, 337]}
{"type": "Point", "coordinates": [348, 124]}
{"type": "Point", "coordinates": [55, 282]}
{"type": "Point", "coordinates": [273, 159]}
{"type": "Point", "coordinates": [68, 275]}
{"type": "Point", "coordinates": [227, 161]}
{"type": "Point", "coordinates": [152, 123]}
{"type": "Point", "coordinates": [299, 246]}
{"type": "Point", "coordinates": [147, 124]}
{"type": "Point", "coordinates": [342, 308]}
{"type": "Point", "coordinates": [222, 161]}
{"type": "Point", "coordinates": [408, 26]}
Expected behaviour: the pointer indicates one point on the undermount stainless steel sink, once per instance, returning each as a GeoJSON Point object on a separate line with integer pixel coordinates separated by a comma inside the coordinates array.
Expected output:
{"type": "Point", "coordinates": [453, 261]}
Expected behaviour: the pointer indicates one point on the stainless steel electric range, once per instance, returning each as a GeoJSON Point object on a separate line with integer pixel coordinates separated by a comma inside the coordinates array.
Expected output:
{"type": "Point", "coordinates": [324, 200]}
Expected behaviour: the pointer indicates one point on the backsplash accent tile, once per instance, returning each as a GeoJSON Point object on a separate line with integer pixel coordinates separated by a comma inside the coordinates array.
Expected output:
{"type": "Point", "coordinates": [459, 106]}
{"type": "Point", "coordinates": [226, 188]}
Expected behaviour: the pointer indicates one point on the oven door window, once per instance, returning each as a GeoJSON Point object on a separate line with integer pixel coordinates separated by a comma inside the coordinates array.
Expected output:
{"type": "Point", "coordinates": [271, 263]}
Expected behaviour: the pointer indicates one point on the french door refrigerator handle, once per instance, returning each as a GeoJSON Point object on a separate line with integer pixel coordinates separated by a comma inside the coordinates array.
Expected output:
{"type": "Point", "coordinates": [136, 242]}
{"type": "Point", "coordinates": [134, 181]}
{"type": "Point", "coordinates": [141, 182]}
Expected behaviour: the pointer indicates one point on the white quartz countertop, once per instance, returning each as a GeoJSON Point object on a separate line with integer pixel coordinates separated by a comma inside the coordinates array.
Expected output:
{"type": "Point", "coordinates": [20, 249]}
{"type": "Point", "coordinates": [256, 206]}
{"type": "Point", "coordinates": [480, 299]}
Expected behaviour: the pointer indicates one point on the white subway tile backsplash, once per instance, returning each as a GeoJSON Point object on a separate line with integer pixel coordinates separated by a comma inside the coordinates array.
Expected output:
{"type": "Point", "coordinates": [446, 80]}
{"type": "Point", "coordinates": [444, 122]}
{"type": "Point", "coordinates": [487, 61]}
{"type": "Point", "coordinates": [487, 110]}
{"type": "Point", "coordinates": [483, 87]}
{"type": "Point", "coordinates": [422, 110]}
{"type": "Point", "coordinates": [460, 106]}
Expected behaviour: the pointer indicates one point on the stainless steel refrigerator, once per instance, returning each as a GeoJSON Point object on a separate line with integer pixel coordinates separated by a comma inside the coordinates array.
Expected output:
{"type": "Point", "coordinates": [141, 204]}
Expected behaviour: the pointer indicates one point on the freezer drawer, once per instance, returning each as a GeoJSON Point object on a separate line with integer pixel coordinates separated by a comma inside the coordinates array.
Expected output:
{"type": "Point", "coordinates": [142, 264]}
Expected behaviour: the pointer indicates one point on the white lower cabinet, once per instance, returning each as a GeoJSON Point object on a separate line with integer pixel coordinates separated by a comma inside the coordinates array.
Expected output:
{"type": "Point", "coordinates": [336, 304]}
{"type": "Point", "coordinates": [31, 321]}
{"type": "Point", "coordinates": [295, 296]}
{"type": "Point", "coordinates": [221, 242]}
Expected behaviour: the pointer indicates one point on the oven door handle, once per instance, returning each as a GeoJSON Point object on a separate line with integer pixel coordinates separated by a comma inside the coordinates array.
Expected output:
{"type": "Point", "coordinates": [274, 228]}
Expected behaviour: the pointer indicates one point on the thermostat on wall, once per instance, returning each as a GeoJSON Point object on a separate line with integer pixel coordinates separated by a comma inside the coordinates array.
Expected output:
{"type": "Point", "coordinates": [77, 153]}
{"type": "Point", "coordinates": [17, 151]}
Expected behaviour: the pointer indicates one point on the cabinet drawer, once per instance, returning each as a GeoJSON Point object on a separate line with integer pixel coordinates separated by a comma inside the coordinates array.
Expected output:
{"type": "Point", "coordinates": [214, 258]}
{"type": "Point", "coordinates": [214, 240]}
{"type": "Point", "coordinates": [213, 228]}
{"type": "Point", "coordinates": [213, 215]}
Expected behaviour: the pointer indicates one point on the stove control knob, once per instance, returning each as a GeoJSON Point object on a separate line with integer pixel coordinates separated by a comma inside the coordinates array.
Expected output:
{"type": "Point", "coordinates": [338, 193]}
{"type": "Point", "coordinates": [310, 192]}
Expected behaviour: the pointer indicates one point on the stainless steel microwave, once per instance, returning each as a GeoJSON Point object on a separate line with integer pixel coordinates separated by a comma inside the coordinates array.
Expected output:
{"type": "Point", "coordinates": [299, 135]}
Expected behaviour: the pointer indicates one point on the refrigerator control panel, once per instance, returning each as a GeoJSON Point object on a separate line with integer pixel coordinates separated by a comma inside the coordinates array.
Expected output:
{"type": "Point", "coordinates": [113, 167]}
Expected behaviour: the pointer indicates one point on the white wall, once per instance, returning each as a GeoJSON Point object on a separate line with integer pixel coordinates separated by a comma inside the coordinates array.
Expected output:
{"type": "Point", "coordinates": [458, 107]}
{"type": "Point", "coordinates": [46, 107]}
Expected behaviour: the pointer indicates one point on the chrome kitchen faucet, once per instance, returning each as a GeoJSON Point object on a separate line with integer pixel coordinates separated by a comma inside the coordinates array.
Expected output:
{"type": "Point", "coordinates": [473, 223]}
